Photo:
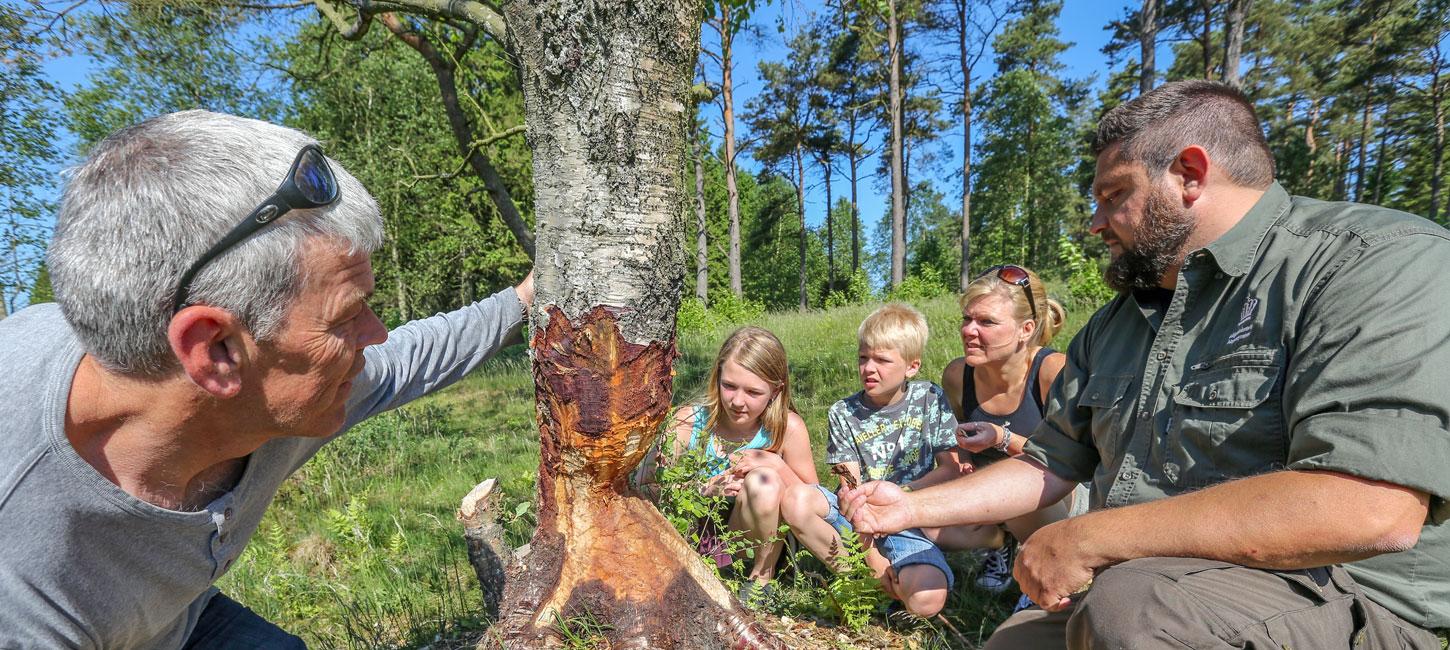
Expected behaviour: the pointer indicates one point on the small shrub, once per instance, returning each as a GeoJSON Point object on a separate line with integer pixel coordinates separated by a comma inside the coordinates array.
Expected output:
{"type": "Point", "coordinates": [1084, 280]}
{"type": "Point", "coordinates": [919, 286]}
{"type": "Point", "coordinates": [857, 291]}
{"type": "Point", "coordinates": [693, 316]}
{"type": "Point", "coordinates": [735, 311]}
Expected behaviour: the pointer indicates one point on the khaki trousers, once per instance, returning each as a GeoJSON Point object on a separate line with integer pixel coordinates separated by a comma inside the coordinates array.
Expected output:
{"type": "Point", "coordinates": [1192, 603]}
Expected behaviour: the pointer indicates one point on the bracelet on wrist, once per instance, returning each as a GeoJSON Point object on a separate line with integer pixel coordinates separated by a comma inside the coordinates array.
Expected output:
{"type": "Point", "coordinates": [1006, 443]}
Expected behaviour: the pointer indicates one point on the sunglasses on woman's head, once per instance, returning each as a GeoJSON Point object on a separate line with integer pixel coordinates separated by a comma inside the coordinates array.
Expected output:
{"type": "Point", "coordinates": [309, 184]}
{"type": "Point", "coordinates": [1013, 274]}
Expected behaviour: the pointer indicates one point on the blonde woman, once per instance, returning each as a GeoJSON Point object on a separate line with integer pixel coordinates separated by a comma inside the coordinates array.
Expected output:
{"type": "Point", "coordinates": [755, 444]}
{"type": "Point", "coordinates": [998, 388]}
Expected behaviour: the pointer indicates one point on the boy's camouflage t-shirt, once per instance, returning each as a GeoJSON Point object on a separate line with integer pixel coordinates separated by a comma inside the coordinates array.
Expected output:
{"type": "Point", "coordinates": [897, 443]}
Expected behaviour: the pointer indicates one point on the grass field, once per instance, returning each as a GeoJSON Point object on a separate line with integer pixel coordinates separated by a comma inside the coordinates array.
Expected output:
{"type": "Point", "coordinates": [361, 550]}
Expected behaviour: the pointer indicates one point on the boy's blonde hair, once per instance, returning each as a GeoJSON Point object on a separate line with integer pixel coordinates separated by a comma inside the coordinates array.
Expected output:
{"type": "Point", "coordinates": [761, 353]}
{"type": "Point", "coordinates": [897, 326]}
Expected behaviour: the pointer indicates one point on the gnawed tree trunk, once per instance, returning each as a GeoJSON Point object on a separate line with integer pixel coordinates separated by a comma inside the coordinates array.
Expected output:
{"type": "Point", "coordinates": [605, 94]}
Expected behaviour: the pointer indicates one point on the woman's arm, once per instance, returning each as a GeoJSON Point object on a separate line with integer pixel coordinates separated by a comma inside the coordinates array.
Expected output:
{"type": "Point", "coordinates": [796, 452]}
{"type": "Point", "coordinates": [951, 384]}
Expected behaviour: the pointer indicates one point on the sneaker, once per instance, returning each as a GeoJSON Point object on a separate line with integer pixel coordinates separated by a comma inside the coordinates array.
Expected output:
{"type": "Point", "coordinates": [996, 574]}
{"type": "Point", "coordinates": [1023, 603]}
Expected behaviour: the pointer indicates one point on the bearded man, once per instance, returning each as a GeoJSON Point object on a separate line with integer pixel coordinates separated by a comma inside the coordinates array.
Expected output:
{"type": "Point", "coordinates": [1262, 412]}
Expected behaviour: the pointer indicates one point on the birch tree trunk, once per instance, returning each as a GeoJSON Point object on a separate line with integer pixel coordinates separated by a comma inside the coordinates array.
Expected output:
{"type": "Point", "coordinates": [606, 87]}
{"type": "Point", "coordinates": [702, 242]}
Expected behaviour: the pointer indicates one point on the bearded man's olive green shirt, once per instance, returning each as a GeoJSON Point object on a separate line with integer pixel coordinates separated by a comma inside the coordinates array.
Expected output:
{"type": "Point", "coordinates": [1310, 336]}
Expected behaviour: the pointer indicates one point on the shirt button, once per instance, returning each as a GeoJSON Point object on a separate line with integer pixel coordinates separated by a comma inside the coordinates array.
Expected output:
{"type": "Point", "coordinates": [1144, 414]}
{"type": "Point", "coordinates": [227, 513]}
{"type": "Point", "coordinates": [1126, 475]}
{"type": "Point", "coordinates": [1162, 356]}
{"type": "Point", "coordinates": [1095, 396]}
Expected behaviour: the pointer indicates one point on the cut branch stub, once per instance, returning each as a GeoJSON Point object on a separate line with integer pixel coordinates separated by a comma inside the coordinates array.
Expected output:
{"type": "Point", "coordinates": [601, 399]}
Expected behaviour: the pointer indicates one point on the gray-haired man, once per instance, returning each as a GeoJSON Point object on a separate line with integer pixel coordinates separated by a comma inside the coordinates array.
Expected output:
{"type": "Point", "coordinates": [211, 333]}
{"type": "Point", "coordinates": [1262, 412]}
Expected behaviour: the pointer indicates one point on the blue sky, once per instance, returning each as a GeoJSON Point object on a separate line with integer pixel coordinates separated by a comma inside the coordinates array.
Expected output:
{"type": "Point", "coordinates": [1082, 24]}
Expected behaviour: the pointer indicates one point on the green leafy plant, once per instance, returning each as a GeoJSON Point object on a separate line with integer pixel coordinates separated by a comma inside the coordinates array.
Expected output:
{"type": "Point", "coordinates": [857, 291]}
{"type": "Point", "coordinates": [927, 283]}
{"type": "Point", "coordinates": [854, 593]}
{"type": "Point", "coordinates": [1084, 280]}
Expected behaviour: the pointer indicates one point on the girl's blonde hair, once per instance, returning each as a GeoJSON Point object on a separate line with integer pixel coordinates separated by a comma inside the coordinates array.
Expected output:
{"type": "Point", "coordinates": [1050, 314]}
{"type": "Point", "coordinates": [761, 353]}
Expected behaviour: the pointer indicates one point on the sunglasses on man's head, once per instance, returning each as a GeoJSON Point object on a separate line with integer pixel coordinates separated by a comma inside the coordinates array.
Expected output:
{"type": "Point", "coordinates": [1013, 274]}
{"type": "Point", "coordinates": [309, 184]}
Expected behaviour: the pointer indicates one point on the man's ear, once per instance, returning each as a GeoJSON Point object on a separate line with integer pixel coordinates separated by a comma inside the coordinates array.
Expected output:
{"type": "Point", "coordinates": [207, 341]}
{"type": "Point", "coordinates": [1191, 166]}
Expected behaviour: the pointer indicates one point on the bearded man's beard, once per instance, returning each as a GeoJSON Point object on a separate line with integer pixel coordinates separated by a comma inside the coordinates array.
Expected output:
{"type": "Point", "coordinates": [1158, 241]}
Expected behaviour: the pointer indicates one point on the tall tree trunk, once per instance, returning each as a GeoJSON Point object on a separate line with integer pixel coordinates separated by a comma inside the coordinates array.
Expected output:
{"type": "Point", "coordinates": [727, 115]}
{"type": "Point", "coordinates": [702, 248]}
{"type": "Point", "coordinates": [1380, 150]}
{"type": "Point", "coordinates": [1148, 45]}
{"type": "Point", "coordinates": [854, 160]}
{"type": "Point", "coordinates": [1437, 157]}
{"type": "Point", "coordinates": [1205, 38]}
{"type": "Point", "coordinates": [1341, 168]}
{"type": "Point", "coordinates": [800, 205]}
{"type": "Point", "coordinates": [965, 274]}
{"type": "Point", "coordinates": [1363, 143]}
{"type": "Point", "coordinates": [401, 295]}
{"type": "Point", "coordinates": [830, 233]}
{"type": "Point", "coordinates": [443, 68]}
{"type": "Point", "coordinates": [1311, 143]}
{"type": "Point", "coordinates": [898, 169]}
{"type": "Point", "coordinates": [1234, 18]}
{"type": "Point", "coordinates": [606, 88]}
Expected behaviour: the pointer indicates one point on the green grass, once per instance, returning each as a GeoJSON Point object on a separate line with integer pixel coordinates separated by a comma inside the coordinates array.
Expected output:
{"type": "Point", "coordinates": [361, 549]}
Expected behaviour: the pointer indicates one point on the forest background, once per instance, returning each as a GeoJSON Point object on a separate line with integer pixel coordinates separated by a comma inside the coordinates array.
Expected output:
{"type": "Point", "coordinates": [945, 136]}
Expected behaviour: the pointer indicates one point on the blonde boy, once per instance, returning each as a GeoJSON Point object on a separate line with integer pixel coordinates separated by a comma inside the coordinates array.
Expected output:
{"type": "Point", "coordinates": [896, 430]}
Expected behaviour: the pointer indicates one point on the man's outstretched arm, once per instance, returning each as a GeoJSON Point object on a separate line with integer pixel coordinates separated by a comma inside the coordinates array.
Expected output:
{"type": "Point", "coordinates": [1283, 520]}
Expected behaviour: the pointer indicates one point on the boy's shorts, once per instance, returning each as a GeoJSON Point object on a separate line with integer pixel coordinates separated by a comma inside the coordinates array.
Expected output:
{"type": "Point", "coordinates": [902, 549]}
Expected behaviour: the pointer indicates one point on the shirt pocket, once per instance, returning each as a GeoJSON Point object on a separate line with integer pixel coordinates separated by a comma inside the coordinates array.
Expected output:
{"type": "Point", "coordinates": [1106, 397]}
{"type": "Point", "coordinates": [1227, 420]}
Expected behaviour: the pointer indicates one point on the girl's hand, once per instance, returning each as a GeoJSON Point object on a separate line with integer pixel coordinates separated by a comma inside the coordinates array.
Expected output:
{"type": "Point", "coordinates": [749, 460]}
{"type": "Point", "coordinates": [978, 437]}
{"type": "Point", "coordinates": [724, 485]}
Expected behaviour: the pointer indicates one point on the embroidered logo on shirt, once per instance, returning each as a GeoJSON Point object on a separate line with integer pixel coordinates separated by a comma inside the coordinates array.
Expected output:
{"type": "Point", "coordinates": [1246, 321]}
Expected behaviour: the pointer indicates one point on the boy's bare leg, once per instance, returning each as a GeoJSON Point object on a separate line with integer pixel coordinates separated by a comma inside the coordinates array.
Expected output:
{"type": "Point", "coordinates": [922, 588]}
{"type": "Point", "coordinates": [1023, 527]}
{"type": "Point", "coordinates": [805, 509]}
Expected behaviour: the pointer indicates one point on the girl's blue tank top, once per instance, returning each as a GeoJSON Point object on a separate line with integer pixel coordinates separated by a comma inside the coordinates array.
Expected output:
{"type": "Point", "coordinates": [716, 461]}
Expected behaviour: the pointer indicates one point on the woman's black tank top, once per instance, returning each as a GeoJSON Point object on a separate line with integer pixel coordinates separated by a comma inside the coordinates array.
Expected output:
{"type": "Point", "coordinates": [1022, 421]}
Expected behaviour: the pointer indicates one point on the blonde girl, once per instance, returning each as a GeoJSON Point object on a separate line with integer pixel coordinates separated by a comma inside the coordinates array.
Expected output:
{"type": "Point", "coordinates": [755, 444]}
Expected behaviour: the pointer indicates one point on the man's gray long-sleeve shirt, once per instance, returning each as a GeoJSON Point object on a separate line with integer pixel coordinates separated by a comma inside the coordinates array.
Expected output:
{"type": "Point", "coordinates": [84, 564]}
